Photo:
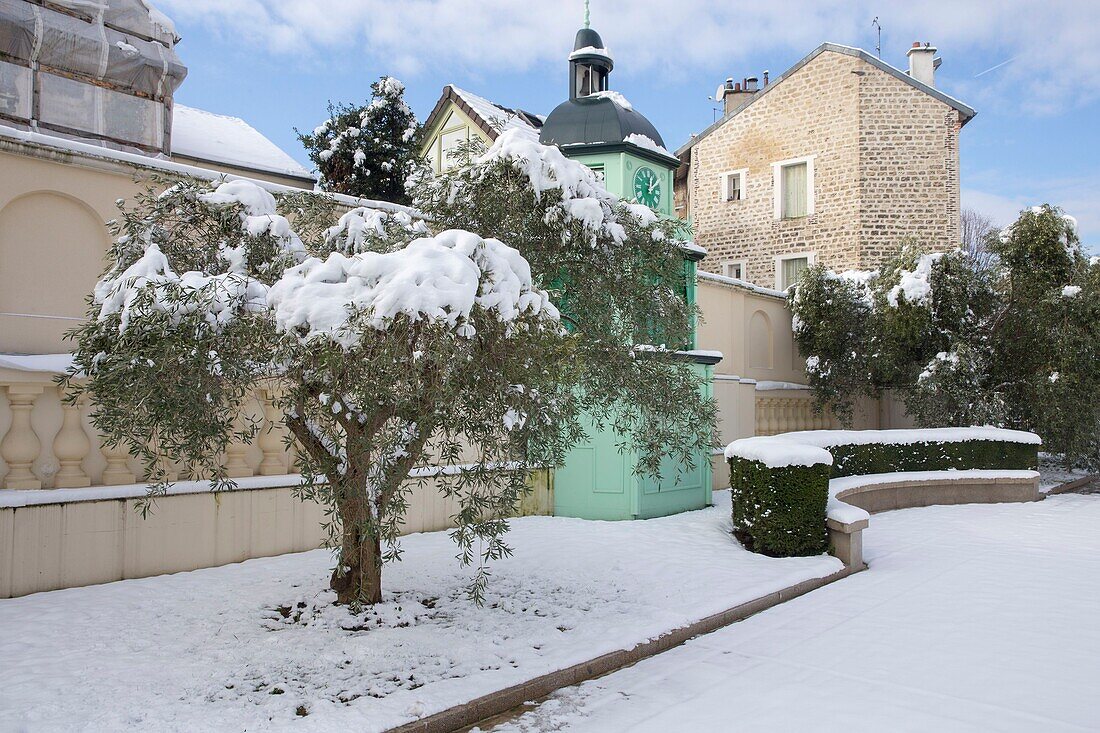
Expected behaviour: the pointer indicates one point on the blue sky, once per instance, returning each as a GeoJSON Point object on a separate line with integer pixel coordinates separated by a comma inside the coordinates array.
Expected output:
{"type": "Point", "coordinates": [1032, 70]}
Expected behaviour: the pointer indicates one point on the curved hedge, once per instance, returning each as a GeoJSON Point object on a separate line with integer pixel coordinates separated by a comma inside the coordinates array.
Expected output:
{"type": "Point", "coordinates": [780, 484]}
{"type": "Point", "coordinates": [861, 460]}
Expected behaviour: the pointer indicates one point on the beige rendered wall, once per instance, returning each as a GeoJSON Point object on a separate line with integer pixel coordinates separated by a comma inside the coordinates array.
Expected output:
{"type": "Point", "coordinates": [52, 245]}
{"type": "Point", "coordinates": [751, 329]}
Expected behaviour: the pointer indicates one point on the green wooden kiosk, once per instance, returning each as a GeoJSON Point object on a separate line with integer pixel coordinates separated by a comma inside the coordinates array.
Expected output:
{"type": "Point", "coordinates": [601, 129]}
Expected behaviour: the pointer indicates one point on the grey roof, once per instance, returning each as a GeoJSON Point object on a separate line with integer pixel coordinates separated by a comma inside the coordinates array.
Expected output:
{"type": "Point", "coordinates": [587, 37]}
{"type": "Point", "coordinates": [966, 111]}
{"type": "Point", "coordinates": [595, 119]}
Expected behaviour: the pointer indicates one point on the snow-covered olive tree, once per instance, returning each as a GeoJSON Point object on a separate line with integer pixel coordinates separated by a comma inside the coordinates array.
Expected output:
{"type": "Point", "coordinates": [388, 346]}
{"type": "Point", "coordinates": [367, 150]}
{"type": "Point", "coordinates": [397, 343]}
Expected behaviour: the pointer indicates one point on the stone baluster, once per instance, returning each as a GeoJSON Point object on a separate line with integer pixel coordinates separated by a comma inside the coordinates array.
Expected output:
{"type": "Point", "coordinates": [71, 446]}
{"type": "Point", "coordinates": [21, 446]}
{"type": "Point", "coordinates": [236, 452]}
{"type": "Point", "coordinates": [770, 421]}
{"type": "Point", "coordinates": [117, 471]}
{"type": "Point", "coordinates": [271, 437]}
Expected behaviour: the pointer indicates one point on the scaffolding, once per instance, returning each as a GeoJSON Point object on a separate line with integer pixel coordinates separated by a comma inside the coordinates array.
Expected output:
{"type": "Point", "coordinates": [96, 71]}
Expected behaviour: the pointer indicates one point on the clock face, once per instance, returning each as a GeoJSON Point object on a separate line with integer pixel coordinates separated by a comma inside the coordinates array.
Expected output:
{"type": "Point", "coordinates": [647, 187]}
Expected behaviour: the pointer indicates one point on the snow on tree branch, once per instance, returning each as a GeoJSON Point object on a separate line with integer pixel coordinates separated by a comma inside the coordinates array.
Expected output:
{"type": "Point", "coordinates": [437, 279]}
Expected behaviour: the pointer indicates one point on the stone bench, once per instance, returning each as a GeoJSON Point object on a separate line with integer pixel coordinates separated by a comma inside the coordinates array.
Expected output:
{"type": "Point", "coordinates": [853, 498]}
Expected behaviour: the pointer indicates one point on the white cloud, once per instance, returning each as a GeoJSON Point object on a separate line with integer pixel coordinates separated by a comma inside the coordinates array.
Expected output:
{"type": "Point", "coordinates": [1078, 197]}
{"type": "Point", "coordinates": [1054, 42]}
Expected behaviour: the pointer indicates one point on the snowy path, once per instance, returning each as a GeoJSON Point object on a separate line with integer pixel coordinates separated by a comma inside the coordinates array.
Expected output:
{"type": "Point", "coordinates": [979, 617]}
{"type": "Point", "coordinates": [208, 650]}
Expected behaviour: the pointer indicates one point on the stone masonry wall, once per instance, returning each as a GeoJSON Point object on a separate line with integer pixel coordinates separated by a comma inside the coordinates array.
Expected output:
{"type": "Point", "coordinates": [813, 112]}
{"type": "Point", "coordinates": [909, 169]}
{"type": "Point", "coordinates": [885, 170]}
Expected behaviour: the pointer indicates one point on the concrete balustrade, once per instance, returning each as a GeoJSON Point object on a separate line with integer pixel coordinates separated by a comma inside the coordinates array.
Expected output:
{"type": "Point", "coordinates": [46, 443]}
{"type": "Point", "coordinates": [789, 410]}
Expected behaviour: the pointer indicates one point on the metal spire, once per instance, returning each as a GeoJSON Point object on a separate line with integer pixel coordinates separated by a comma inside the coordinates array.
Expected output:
{"type": "Point", "coordinates": [586, 19]}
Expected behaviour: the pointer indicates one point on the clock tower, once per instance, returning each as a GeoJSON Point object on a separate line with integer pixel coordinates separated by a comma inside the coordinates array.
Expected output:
{"type": "Point", "coordinates": [601, 129]}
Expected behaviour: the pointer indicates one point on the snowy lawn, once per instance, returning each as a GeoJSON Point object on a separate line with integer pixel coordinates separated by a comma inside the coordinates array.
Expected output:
{"type": "Point", "coordinates": [253, 646]}
{"type": "Point", "coordinates": [976, 617]}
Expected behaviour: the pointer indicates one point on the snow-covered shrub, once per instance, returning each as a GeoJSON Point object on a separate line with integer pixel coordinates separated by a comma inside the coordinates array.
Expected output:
{"type": "Point", "coordinates": [964, 341]}
{"type": "Point", "coordinates": [367, 150]}
{"type": "Point", "coordinates": [780, 510]}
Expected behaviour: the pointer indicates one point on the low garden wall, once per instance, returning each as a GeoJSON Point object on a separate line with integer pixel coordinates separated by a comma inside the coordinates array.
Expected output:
{"type": "Point", "coordinates": [801, 493]}
{"type": "Point", "coordinates": [63, 538]}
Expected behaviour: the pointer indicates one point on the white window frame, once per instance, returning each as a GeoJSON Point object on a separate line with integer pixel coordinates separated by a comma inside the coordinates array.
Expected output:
{"type": "Point", "coordinates": [731, 263]}
{"type": "Point", "coordinates": [723, 184]}
{"type": "Point", "coordinates": [810, 257]}
{"type": "Point", "coordinates": [777, 183]}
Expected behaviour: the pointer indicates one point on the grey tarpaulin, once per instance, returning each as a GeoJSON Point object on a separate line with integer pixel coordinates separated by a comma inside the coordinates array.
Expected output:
{"type": "Point", "coordinates": [87, 46]}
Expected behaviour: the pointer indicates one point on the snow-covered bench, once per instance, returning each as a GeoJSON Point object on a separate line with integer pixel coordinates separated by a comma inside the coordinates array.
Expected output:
{"type": "Point", "coordinates": [853, 498]}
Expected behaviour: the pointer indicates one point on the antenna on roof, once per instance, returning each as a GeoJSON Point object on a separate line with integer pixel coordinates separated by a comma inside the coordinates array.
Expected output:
{"type": "Point", "coordinates": [586, 18]}
{"type": "Point", "coordinates": [875, 23]}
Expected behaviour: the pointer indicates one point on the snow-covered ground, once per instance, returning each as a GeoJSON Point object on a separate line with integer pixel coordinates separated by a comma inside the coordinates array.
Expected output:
{"type": "Point", "coordinates": [976, 617]}
{"type": "Point", "coordinates": [248, 646]}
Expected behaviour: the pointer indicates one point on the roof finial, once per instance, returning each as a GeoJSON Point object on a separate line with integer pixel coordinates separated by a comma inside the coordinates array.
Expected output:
{"type": "Point", "coordinates": [586, 20]}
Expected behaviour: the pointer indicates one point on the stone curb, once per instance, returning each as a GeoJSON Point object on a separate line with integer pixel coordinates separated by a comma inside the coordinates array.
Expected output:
{"type": "Point", "coordinates": [501, 701]}
{"type": "Point", "coordinates": [1072, 485]}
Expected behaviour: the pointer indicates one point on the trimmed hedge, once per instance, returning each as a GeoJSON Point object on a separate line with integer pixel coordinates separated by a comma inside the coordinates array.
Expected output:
{"type": "Point", "coordinates": [869, 458]}
{"type": "Point", "coordinates": [780, 511]}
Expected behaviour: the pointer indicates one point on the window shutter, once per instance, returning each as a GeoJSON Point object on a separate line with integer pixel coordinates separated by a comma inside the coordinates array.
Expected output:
{"type": "Point", "coordinates": [794, 191]}
{"type": "Point", "coordinates": [792, 268]}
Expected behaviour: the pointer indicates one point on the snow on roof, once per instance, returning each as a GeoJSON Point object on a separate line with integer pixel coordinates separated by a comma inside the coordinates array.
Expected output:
{"type": "Point", "coordinates": [615, 97]}
{"type": "Point", "coordinates": [218, 138]}
{"type": "Point", "coordinates": [495, 114]}
{"type": "Point", "coordinates": [591, 51]}
{"type": "Point", "coordinates": [644, 141]}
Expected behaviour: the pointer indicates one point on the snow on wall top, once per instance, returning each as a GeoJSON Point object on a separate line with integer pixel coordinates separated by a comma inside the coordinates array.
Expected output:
{"type": "Point", "coordinates": [218, 138]}
{"type": "Point", "coordinates": [496, 115]}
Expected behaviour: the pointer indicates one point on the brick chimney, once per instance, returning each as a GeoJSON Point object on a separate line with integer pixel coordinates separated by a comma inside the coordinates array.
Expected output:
{"type": "Point", "coordinates": [923, 63]}
{"type": "Point", "coordinates": [736, 94]}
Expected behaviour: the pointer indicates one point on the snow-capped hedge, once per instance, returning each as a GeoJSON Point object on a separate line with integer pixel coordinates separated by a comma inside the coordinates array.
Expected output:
{"type": "Point", "coordinates": [780, 483]}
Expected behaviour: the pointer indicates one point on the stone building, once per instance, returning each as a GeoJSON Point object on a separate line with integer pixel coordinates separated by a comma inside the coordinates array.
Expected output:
{"type": "Point", "coordinates": [838, 161]}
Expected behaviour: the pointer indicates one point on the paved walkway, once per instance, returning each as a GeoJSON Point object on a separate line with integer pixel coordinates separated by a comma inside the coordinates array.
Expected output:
{"type": "Point", "coordinates": [970, 618]}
